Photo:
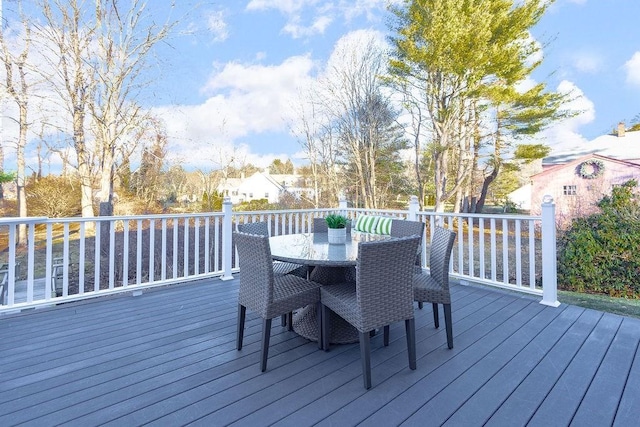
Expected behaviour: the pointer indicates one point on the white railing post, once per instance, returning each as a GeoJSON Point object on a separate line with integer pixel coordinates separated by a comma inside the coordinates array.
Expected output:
{"type": "Point", "coordinates": [342, 205]}
{"type": "Point", "coordinates": [414, 207]}
{"type": "Point", "coordinates": [227, 246]}
{"type": "Point", "coordinates": [549, 260]}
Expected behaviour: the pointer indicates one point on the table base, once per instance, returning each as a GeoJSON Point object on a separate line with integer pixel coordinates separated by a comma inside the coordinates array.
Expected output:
{"type": "Point", "coordinates": [305, 323]}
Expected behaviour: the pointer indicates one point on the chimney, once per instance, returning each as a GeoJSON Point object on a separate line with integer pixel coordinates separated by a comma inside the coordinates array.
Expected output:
{"type": "Point", "coordinates": [621, 129]}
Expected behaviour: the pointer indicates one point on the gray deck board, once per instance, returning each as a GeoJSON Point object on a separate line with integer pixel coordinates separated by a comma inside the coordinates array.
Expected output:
{"type": "Point", "coordinates": [168, 357]}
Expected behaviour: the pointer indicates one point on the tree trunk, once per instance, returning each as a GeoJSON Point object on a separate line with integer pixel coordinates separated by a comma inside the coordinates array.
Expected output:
{"type": "Point", "coordinates": [20, 174]}
{"type": "Point", "coordinates": [485, 188]}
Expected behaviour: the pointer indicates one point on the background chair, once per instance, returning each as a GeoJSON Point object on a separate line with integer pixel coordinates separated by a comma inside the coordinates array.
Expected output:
{"type": "Point", "coordinates": [279, 267]}
{"type": "Point", "coordinates": [382, 294]}
{"type": "Point", "coordinates": [320, 226]}
{"type": "Point", "coordinates": [433, 287]}
{"type": "Point", "coordinates": [404, 228]}
{"type": "Point", "coordinates": [263, 292]}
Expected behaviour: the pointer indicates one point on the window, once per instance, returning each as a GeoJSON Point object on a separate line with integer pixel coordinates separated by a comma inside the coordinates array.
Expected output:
{"type": "Point", "coordinates": [251, 195]}
{"type": "Point", "coordinates": [569, 190]}
{"type": "Point", "coordinates": [266, 195]}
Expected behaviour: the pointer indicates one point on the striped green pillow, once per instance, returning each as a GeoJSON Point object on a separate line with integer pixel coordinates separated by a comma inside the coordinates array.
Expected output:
{"type": "Point", "coordinates": [366, 223]}
{"type": "Point", "coordinates": [384, 225]}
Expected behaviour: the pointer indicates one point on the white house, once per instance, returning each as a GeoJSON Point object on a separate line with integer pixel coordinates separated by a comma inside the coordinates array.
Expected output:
{"type": "Point", "coordinates": [263, 185]}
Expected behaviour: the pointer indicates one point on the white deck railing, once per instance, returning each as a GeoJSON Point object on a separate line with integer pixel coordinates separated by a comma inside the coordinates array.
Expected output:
{"type": "Point", "coordinates": [67, 259]}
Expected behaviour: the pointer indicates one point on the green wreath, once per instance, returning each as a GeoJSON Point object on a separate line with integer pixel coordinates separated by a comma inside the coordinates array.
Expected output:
{"type": "Point", "coordinates": [590, 169]}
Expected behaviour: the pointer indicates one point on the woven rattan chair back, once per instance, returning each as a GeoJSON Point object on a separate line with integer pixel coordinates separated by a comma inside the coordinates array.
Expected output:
{"type": "Point", "coordinates": [260, 228]}
{"type": "Point", "coordinates": [384, 286]}
{"type": "Point", "coordinates": [440, 255]}
{"type": "Point", "coordinates": [404, 228]}
{"type": "Point", "coordinates": [320, 225]}
{"type": "Point", "coordinates": [256, 279]}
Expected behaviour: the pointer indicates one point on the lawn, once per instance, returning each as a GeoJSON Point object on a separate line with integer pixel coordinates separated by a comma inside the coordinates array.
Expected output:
{"type": "Point", "coordinates": [621, 306]}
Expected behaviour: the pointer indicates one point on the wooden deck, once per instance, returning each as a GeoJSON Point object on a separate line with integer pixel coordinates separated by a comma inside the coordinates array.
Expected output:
{"type": "Point", "coordinates": [168, 357]}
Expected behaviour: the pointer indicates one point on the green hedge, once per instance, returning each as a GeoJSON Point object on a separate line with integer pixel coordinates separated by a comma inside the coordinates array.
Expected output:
{"type": "Point", "coordinates": [601, 253]}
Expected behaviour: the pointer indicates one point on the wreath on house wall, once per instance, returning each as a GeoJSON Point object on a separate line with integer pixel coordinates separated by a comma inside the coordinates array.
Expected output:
{"type": "Point", "coordinates": [590, 169]}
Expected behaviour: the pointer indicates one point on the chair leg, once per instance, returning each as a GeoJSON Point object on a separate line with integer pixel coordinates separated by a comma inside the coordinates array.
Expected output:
{"type": "Point", "coordinates": [410, 327]}
{"type": "Point", "coordinates": [319, 316]}
{"type": "Point", "coordinates": [283, 320]}
{"type": "Point", "coordinates": [242, 312]}
{"type": "Point", "coordinates": [290, 321]}
{"type": "Point", "coordinates": [386, 335]}
{"type": "Point", "coordinates": [449, 324]}
{"type": "Point", "coordinates": [365, 355]}
{"type": "Point", "coordinates": [326, 327]}
{"type": "Point", "coordinates": [436, 318]}
{"type": "Point", "coordinates": [420, 305]}
{"type": "Point", "coordinates": [266, 335]}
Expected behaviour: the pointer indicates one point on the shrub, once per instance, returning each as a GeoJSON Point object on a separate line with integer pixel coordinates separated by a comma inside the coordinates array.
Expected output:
{"type": "Point", "coordinates": [601, 253]}
{"type": "Point", "coordinates": [54, 197]}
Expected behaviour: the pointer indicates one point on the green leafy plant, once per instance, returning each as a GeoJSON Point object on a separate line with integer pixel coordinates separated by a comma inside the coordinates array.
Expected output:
{"type": "Point", "coordinates": [336, 221]}
{"type": "Point", "coordinates": [599, 254]}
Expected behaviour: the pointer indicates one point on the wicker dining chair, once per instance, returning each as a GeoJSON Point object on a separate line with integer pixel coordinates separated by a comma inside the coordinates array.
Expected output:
{"type": "Point", "coordinates": [279, 267]}
{"type": "Point", "coordinates": [381, 295]}
{"type": "Point", "coordinates": [433, 286]}
{"type": "Point", "coordinates": [404, 228]}
{"type": "Point", "coordinates": [320, 225]}
{"type": "Point", "coordinates": [266, 294]}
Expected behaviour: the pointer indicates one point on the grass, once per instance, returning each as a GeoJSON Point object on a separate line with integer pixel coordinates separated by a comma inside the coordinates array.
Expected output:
{"type": "Point", "coordinates": [621, 306]}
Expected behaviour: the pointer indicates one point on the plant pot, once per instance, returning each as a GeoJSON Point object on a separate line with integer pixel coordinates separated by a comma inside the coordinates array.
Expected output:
{"type": "Point", "coordinates": [337, 252]}
{"type": "Point", "coordinates": [337, 236]}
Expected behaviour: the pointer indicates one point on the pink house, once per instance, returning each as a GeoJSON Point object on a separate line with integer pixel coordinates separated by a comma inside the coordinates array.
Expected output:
{"type": "Point", "coordinates": [577, 186]}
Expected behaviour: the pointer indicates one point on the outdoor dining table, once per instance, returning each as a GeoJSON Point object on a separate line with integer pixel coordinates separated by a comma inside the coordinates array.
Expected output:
{"type": "Point", "coordinates": [315, 251]}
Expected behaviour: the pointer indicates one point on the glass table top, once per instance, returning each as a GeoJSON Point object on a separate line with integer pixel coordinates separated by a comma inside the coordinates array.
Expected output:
{"type": "Point", "coordinates": [315, 249]}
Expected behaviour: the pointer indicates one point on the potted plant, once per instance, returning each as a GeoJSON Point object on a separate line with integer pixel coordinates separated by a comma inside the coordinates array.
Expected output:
{"type": "Point", "coordinates": [336, 228]}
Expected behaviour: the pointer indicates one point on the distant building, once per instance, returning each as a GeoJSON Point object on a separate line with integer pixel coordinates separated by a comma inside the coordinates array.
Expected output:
{"type": "Point", "coordinates": [263, 185]}
{"type": "Point", "coordinates": [578, 178]}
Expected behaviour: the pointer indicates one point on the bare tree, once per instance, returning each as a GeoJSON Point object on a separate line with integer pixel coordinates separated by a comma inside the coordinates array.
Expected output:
{"type": "Point", "coordinates": [360, 112]}
{"type": "Point", "coordinates": [125, 37]}
{"type": "Point", "coordinates": [19, 88]}
{"type": "Point", "coordinates": [66, 41]}
{"type": "Point", "coordinates": [308, 136]}
{"type": "Point", "coordinates": [97, 56]}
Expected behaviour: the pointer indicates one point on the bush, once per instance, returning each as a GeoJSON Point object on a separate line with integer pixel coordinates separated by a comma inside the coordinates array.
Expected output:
{"type": "Point", "coordinates": [601, 253]}
{"type": "Point", "coordinates": [53, 197]}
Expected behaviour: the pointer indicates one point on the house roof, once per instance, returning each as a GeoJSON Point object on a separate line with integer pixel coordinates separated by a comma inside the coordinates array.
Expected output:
{"type": "Point", "coordinates": [625, 147]}
{"type": "Point", "coordinates": [577, 161]}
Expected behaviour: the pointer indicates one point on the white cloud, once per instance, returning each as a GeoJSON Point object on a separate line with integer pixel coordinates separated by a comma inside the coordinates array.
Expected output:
{"type": "Point", "coordinates": [287, 7]}
{"type": "Point", "coordinates": [245, 100]}
{"type": "Point", "coordinates": [632, 67]}
{"type": "Point", "coordinates": [369, 8]}
{"type": "Point", "coordinates": [217, 26]}
{"type": "Point", "coordinates": [564, 135]}
{"type": "Point", "coordinates": [300, 31]}
{"type": "Point", "coordinates": [587, 62]}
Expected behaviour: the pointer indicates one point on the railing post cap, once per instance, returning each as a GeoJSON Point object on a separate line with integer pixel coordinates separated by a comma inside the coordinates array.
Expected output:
{"type": "Point", "coordinates": [413, 199]}
{"type": "Point", "coordinates": [547, 199]}
{"type": "Point", "coordinates": [226, 200]}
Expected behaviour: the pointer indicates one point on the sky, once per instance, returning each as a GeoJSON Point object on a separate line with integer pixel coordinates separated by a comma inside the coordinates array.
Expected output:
{"type": "Point", "coordinates": [230, 74]}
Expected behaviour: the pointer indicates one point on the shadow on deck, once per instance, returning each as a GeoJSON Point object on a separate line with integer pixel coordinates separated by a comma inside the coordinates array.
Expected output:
{"type": "Point", "coordinates": [168, 357]}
